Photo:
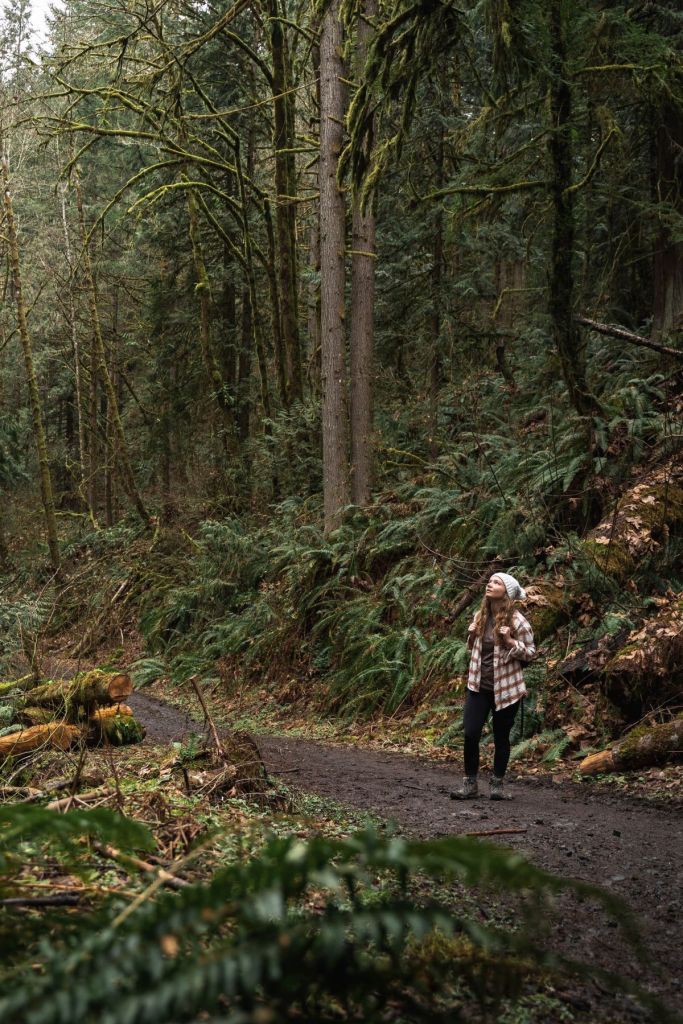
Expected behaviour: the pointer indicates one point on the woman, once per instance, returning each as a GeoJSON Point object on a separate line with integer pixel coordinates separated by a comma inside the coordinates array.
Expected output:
{"type": "Point", "coordinates": [501, 640]}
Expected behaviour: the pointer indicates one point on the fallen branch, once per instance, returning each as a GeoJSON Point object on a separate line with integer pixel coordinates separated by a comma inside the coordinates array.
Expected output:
{"type": "Point", "coordinates": [124, 859]}
{"type": "Point", "coordinates": [59, 900]}
{"type": "Point", "coordinates": [614, 331]}
{"type": "Point", "coordinates": [66, 802]}
{"type": "Point", "coordinates": [209, 719]}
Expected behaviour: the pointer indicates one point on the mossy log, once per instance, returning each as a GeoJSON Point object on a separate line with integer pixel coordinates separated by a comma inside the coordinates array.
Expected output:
{"type": "Point", "coordinates": [643, 747]}
{"type": "Point", "coordinates": [118, 730]}
{"type": "Point", "coordinates": [111, 712]}
{"type": "Point", "coordinates": [36, 716]}
{"type": "Point", "coordinates": [548, 604]}
{"type": "Point", "coordinates": [640, 524]}
{"type": "Point", "coordinates": [84, 693]}
{"type": "Point", "coordinates": [24, 684]}
{"type": "Point", "coordinates": [52, 734]}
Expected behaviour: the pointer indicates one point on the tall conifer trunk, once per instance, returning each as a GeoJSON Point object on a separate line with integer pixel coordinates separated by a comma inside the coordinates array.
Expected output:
{"type": "Point", "coordinates": [570, 343]}
{"type": "Point", "coordinates": [668, 257]}
{"type": "Point", "coordinates": [362, 308]}
{"type": "Point", "coordinates": [332, 252]}
{"type": "Point", "coordinates": [285, 210]}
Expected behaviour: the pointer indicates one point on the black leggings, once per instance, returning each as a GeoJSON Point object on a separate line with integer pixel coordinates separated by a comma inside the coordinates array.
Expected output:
{"type": "Point", "coordinates": [477, 707]}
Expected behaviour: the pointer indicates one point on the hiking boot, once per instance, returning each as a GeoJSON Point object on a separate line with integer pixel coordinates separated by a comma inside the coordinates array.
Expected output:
{"type": "Point", "coordinates": [468, 790]}
{"type": "Point", "coordinates": [498, 791]}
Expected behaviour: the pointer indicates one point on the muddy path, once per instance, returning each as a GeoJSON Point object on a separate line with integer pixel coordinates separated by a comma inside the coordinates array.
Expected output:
{"type": "Point", "coordinates": [575, 830]}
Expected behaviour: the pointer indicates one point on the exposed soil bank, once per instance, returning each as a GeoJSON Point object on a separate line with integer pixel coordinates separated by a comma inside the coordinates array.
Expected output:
{"type": "Point", "coordinates": [571, 829]}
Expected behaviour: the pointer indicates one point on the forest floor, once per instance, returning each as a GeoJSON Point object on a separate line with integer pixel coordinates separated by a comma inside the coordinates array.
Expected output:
{"type": "Point", "coordinates": [628, 844]}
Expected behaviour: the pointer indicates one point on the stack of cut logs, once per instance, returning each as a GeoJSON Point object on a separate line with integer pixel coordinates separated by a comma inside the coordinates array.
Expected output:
{"type": "Point", "coordinates": [59, 713]}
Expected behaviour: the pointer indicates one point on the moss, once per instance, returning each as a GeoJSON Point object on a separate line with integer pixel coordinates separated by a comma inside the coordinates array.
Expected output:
{"type": "Point", "coordinates": [649, 745]}
{"type": "Point", "coordinates": [614, 558]}
{"type": "Point", "coordinates": [617, 544]}
{"type": "Point", "coordinates": [23, 683]}
{"type": "Point", "coordinates": [122, 730]}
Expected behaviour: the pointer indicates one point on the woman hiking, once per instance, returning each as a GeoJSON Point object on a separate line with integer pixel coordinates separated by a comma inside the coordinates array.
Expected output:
{"type": "Point", "coordinates": [501, 641]}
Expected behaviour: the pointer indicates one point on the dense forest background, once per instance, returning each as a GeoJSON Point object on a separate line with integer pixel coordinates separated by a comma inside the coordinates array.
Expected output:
{"type": "Point", "coordinates": [313, 315]}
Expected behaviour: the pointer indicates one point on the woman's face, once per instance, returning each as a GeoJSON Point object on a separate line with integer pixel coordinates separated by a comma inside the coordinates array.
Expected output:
{"type": "Point", "coordinates": [495, 588]}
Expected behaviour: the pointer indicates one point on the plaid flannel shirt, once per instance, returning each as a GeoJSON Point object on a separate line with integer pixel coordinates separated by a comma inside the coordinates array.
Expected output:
{"type": "Point", "coordinates": [508, 681]}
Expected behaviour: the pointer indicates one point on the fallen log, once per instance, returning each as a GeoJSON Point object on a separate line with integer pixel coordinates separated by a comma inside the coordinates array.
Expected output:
{"type": "Point", "coordinates": [53, 734]}
{"type": "Point", "coordinates": [82, 694]}
{"type": "Point", "coordinates": [65, 803]}
{"type": "Point", "coordinates": [643, 747]}
{"type": "Point", "coordinates": [117, 729]}
{"type": "Point", "coordinates": [102, 714]}
{"type": "Point", "coordinates": [24, 684]}
{"type": "Point", "coordinates": [36, 716]}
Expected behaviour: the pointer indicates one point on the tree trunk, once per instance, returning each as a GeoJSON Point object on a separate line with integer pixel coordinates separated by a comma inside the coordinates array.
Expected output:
{"type": "Point", "coordinates": [509, 284]}
{"type": "Point", "coordinates": [100, 365]}
{"type": "Point", "coordinates": [362, 308]}
{"type": "Point", "coordinates": [27, 347]}
{"type": "Point", "coordinates": [668, 257]}
{"type": "Point", "coordinates": [435, 363]}
{"type": "Point", "coordinates": [314, 239]}
{"type": "Point", "coordinates": [244, 368]}
{"type": "Point", "coordinates": [220, 393]}
{"type": "Point", "coordinates": [285, 210]}
{"type": "Point", "coordinates": [571, 346]}
{"type": "Point", "coordinates": [332, 250]}
{"type": "Point", "coordinates": [75, 348]}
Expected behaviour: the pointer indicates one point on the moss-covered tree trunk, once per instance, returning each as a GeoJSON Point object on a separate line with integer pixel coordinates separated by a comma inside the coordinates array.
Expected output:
{"type": "Point", "coordinates": [668, 256]}
{"type": "Point", "coordinates": [336, 493]}
{"type": "Point", "coordinates": [361, 339]}
{"type": "Point", "coordinates": [285, 211]}
{"type": "Point", "coordinates": [39, 435]}
{"type": "Point", "coordinates": [76, 351]}
{"type": "Point", "coordinates": [100, 365]}
{"type": "Point", "coordinates": [571, 345]}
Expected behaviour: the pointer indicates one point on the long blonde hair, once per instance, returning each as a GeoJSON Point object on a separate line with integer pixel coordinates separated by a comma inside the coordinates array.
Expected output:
{"type": "Point", "coordinates": [503, 617]}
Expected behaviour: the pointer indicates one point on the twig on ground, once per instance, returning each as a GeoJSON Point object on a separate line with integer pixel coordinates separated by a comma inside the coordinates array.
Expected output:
{"type": "Point", "coordinates": [162, 876]}
{"type": "Point", "coordinates": [208, 718]}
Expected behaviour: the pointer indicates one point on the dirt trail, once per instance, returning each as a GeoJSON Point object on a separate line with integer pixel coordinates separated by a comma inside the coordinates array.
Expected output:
{"type": "Point", "coordinates": [624, 845]}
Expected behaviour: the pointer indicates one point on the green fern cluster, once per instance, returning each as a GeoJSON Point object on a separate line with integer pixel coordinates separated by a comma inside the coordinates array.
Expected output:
{"type": "Point", "coordinates": [248, 946]}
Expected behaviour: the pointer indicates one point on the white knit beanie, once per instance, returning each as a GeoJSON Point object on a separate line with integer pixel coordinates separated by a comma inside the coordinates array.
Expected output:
{"type": "Point", "coordinates": [515, 590]}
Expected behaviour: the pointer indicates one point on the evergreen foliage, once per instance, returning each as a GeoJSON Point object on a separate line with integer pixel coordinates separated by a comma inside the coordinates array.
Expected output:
{"type": "Point", "coordinates": [246, 942]}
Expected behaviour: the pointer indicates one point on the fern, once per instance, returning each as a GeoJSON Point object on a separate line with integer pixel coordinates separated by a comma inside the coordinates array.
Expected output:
{"type": "Point", "coordinates": [248, 937]}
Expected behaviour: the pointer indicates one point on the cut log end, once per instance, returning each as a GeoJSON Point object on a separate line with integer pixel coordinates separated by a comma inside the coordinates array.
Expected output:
{"type": "Point", "coordinates": [594, 764]}
{"type": "Point", "coordinates": [52, 734]}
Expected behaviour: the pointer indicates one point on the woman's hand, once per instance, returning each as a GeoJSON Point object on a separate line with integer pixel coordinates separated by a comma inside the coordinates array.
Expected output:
{"type": "Point", "coordinates": [505, 636]}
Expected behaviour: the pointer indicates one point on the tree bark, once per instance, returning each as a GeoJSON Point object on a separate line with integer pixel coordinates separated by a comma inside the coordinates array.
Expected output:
{"type": "Point", "coordinates": [336, 492]}
{"type": "Point", "coordinates": [668, 256]}
{"type": "Point", "coordinates": [285, 210]}
{"type": "Point", "coordinates": [39, 436]}
{"type": "Point", "coordinates": [75, 348]}
{"type": "Point", "coordinates": [362, 308]}
{"type": "Point", "coordinates": [571, 347]}
{"type": "Point", "coordinates": [100, 365]}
